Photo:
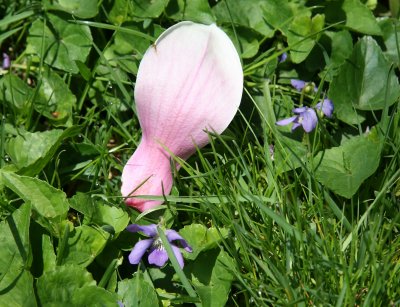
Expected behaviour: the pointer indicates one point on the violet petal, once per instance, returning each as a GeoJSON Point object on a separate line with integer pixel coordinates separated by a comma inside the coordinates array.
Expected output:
{"type": "Point", "coordinates": [158, 256]}
{"type": "Point", "coordinates": [286, 121]}
{"type": "Point", "coordinates": [299, 110]}
{"type": "Point", "coordinates": [309, 121]}
{"type": "Point", "coordinates": [138, 250]}
{"type": "Point", "coordinates": [172, 235]}
{"type": "Point", "coordinates": [178, 255]}
{"type": "Point", "coordinates": [326, 106]}
{"type": "Point", "coordinates": [298, 84]}
{"type": "Point", "coordinates": [148, 230]}
{"type": "Point", "coordinates": [283, 57]}
{"type": "Point", "coordinates": [296, 125]}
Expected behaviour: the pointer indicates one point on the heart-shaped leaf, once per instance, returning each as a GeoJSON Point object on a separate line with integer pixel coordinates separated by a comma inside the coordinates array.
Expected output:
{"type": "Point", "coordinates": [343, 169]}
{"type": "Point", "coordinates": [358, 85]}
{"type": "Point", "coordinates": [59, 42]}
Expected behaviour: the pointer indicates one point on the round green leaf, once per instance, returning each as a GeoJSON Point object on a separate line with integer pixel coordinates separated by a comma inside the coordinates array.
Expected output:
{"type": "Point", "coordinates": [194, 10]}
{"type": "Point", "coordinates": [343, 169]}
{"type": "Point", "coordinates": [60, 43]}
{"type": "Point", "coordinates": [137, 292]}
{"type": "Point", "coordinates": [303, 34]}
{"type": "Point", "coordinates": [245, 13]}
{"type": "Point", "coordinates": [364, 82]}
{"type": "Point", "coordinates": [78, 8]}
{"type": "Point", "coordinates": [125, 10]}
{"type": "Point", "coordinates": [84, 243]}
{"type": "Point", "coordinates": [72, 286]}
{"type": "Point", "coordinates": [55, 100]}
{"type": "Point", "coordinates": [358, 16]}
{"type": "Point", "coordinates": [201, 238]}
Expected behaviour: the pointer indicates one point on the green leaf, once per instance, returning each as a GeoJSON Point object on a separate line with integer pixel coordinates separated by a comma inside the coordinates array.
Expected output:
{"type": "Point", "coordinates": [55, 100]}
{"type": "Point", "coordinates": [81, 9]}
{"type": "Point", "coordinates": [212, 276]}
{"type": "Point", "coordinates": [343, 169]}
{"type": "Point", "coordinates": [244, 13]}
{"type": "Point", "coordinates": [59, 42]}
{"type": "Point", "coordinates": [137, 292]}
{"type": "Point", "coordinates": [128, 43]}
{"type": "Point", "coordinates": [278, 14]}
{"type": "Point", "coordinates": [94, 296]}
{"type": "Point", "coordinates": [113, 216]}
{"type": "Point", "coordinates": [193, 10]}
{"type": "Point", "coordinates": [49, 257]}
{"type": "Point", "coordinates": [96, 212]}
{"type": "Point", "coordinates": [391, 36]}
{"type": "Point", "coordinates": [30, 152]}
{"type": "Point", "coordinates": [15, 92]}
{"type": "Point", "coordinates": [148, 9]}
{"type": "Point", "coordinates": [46, 200]}
{"type": "Point", "coordinates": [302, 35]}
{"type": "Point", "coordinates": [201, 238]}
{"type": "Point", "coordinates": [289, 154]}
{"type": "Point", "coordinates": [125, 10]}
{"type": "Point", "coordinates": [43, 255]}
{"type": "Point", "coordinates": [356, 16]}
{"type": "Point", "coordinates": [359, 82]}
{"type": "Point", "coordinates": [16, 282]}
{"type": "Point", "coordinates": [82, 245]}
{"type": "Point", "coordinates": [339, 46]}
{"type": "Point", "coordinates": [245, 41]}
{"type": "Point", "coordinates": [84, 204]}
{"type": "Point", "coordinates": [72, 286]}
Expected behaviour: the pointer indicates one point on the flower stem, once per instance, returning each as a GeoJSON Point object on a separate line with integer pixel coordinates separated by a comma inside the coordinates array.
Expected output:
{"type": "Point", "coordinates": [185, 282]}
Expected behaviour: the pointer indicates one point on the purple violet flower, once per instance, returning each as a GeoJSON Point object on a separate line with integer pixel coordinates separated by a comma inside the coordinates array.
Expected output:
{"type": "Point", "coordinates": [157, 253]}
{"type": "Point", "coordinates": [283, 57]}
{"type": "Point", "coordinates": [300, 85]}
{"type": "Point", "coordinates": [326, 106]}
{"type": "Point", "coordinates": [305, 117]}
{"type": "Point", "coordinates": [6, 61]}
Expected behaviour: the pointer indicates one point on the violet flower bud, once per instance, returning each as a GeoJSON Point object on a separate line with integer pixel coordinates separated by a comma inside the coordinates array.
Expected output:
{"type": "Point", "coordinates": [6, 61]}
{"type": "Point", "coordinates": [189, 81]}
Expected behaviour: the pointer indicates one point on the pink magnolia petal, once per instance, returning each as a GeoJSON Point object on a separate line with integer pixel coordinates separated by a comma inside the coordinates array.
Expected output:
{"type": "Point", "coordinates": [147, 172]}
{"type": "Point", "coordinates": [189, 81]}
